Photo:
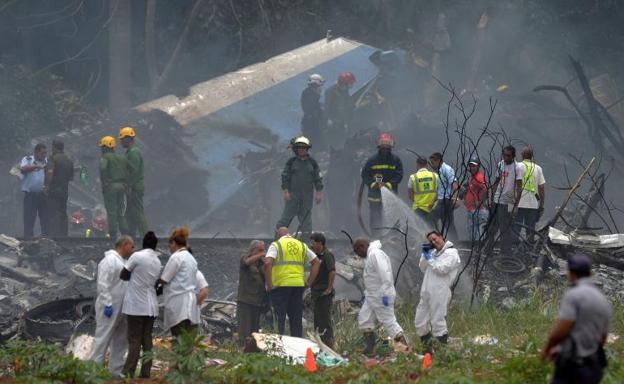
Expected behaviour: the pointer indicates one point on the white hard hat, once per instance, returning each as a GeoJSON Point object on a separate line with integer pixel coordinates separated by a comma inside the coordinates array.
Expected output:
{"type": "Point", "coordinates": [301, 141]}
{"type": "Point", "coordinates": [315, 78]}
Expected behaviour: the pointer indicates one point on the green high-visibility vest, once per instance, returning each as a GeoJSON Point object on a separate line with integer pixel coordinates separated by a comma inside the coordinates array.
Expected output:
{"type": "Point", "coordinates": [528, 180]}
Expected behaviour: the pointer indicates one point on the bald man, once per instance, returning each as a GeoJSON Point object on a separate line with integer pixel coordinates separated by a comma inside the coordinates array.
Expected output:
{"type": "Point", "coordinates": [285, 279]}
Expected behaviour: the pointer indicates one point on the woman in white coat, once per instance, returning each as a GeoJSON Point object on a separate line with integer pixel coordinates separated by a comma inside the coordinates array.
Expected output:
{"type": "Point", "coordinates": [180, 280]}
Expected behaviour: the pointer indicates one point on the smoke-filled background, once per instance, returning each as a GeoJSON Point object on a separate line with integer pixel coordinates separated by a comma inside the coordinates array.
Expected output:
{"type": "Point", "coordinates": [77, 68]}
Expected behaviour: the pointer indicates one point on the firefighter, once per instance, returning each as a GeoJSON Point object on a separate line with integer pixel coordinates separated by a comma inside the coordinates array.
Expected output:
{"type": "Point", "coordinates": [301, 177]}
{"type": "Point", "coordinates": [339, 107]}
{"type": "Point", "coordinates": [135, 217]}
{"type": "Point", "coordinates": [113, 169]}
{"type": "Point", "coordinates": [312, 122]}
{"type": "Point", "coordinates": [382, 170]}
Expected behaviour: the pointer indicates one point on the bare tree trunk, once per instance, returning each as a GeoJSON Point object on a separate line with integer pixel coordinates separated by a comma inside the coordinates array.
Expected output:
{"type": "Point", "coordinates": [150, 51]}
{"type": "Point", "coordinates": [478, 53]}
{"type": "Point", "coordinates": [155, 86]}
{"type": "Point", "coordinates": [119, 56]}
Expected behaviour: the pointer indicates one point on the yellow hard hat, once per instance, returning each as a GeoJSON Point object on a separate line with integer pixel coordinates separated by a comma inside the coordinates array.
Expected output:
{"type": "Point", "coordinates": [126, 132]}
{"type": "Point", "coordinates": [107, 141]}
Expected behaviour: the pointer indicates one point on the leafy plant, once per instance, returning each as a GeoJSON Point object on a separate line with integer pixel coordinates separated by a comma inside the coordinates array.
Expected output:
{"type": "Point", "coordinates": [32, 361]}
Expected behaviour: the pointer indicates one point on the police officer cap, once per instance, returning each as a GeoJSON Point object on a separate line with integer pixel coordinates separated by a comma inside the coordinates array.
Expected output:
{"type": "Point", "coordinates": [579, 262]}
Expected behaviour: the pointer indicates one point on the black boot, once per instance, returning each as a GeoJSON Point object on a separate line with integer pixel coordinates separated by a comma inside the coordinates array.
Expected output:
{"type": "Point", "coordinates": [443, 339]}
{"type": "Point", "coordinates": [426, 342]}
{"type": "Point", "coordinates": [369, 339]}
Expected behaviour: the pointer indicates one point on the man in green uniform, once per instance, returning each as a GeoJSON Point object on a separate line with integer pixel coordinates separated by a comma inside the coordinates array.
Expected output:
{"type": "Point", "coordinates": [113, 168]}
{"type": "Point", "coordinates": [323, 289]}
{"type": "Point", "coordinates": [59, 172]}
{"type": "Point", "coordinates": [135, 217]}
{"type": "Point", "coordinates": [252, 294]}
{"type": "Point", "coordinates": [300, 178]}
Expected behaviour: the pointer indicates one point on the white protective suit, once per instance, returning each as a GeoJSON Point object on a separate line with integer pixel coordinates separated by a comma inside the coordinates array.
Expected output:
{"type": "Point", "coordinates": [435, 293]}
{"type": "Point", "coordinates": [110, 331]}
{"type": "Point", "coordinates": [378, 282]}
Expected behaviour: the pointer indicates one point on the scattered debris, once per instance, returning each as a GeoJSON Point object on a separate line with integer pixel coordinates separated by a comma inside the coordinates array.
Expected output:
{"type": "Point", "coordinates": [80, 346]}
{"type": "Point", "coordinates": [486, 339]}
{"type": "Point", "coordinates": [292, 348]}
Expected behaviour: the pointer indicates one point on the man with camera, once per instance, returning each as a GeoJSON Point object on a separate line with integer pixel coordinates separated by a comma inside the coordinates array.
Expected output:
{"type": "Point", "coordinates": [440, 267]}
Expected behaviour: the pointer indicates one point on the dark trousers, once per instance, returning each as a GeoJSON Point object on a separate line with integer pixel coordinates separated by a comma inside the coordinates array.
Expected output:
{"type": "Point", "coordinates": [526, 217]}
{"type": "Point", "coordinates": [184, 325]}
{"type": "Point", "coordinates": [57, 215]}
{"type": "Point", "coordinates": [139, 336]}
{"type": "Point", "coordinates": [323, 316]}
{"type": "Point", "coordinates": [426, 217]}
{"type": "Point", "coordinates": [135, 214]}
{"type": "Point", "coordinates": [35, 205]}
{"type": "Point", "coordinates": [500, 226]}
{"type": "Point", "coordinates": [288, 301]}
{"type": "Point", "coordinates": [588, 372]}
{"type": "Point", "coordinates": [248, 316]}
{"type": "Point", "coordinates": [375, 216]}
{"type": "Point", "coordinates": [443, 217]}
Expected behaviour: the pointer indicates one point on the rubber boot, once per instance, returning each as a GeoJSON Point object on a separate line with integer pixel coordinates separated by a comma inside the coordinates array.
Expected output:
{"type": "Point", "coordinates": [443, 339]}
{"type": "Point", "coordinates": [426, 342]}
{"type": "Point", "coordinates": [400, 344]}
{"type": "Point", "coordinates": [369, 339]}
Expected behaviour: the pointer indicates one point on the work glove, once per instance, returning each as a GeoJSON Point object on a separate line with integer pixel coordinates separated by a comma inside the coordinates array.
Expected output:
{"type": "Point", "coordinates": [108, 311]}
{"type": "Point", "coordinates": [386, 301]}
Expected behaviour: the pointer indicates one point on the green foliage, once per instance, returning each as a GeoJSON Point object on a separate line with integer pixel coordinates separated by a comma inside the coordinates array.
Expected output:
{"type": "Point", "coordinates": [186, 359]}
{"type": "Point", "coordinates": [34, 362]}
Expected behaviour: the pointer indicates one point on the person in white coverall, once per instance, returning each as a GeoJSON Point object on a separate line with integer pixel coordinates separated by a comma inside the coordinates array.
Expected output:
{"type": "Point", "coordinates": [379, 295]}
{"type": "Point", "coordinates": [440, 267]}
{"type": "Point", "coordinates": [110, 329]}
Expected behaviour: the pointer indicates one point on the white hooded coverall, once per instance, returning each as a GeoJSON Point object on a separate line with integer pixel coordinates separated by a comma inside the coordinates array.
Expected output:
{"type": "Point", "coordinates": [378, 282]}
{"type": "Point", "coordinates": [110, 331]}
{"type": "Point", "coordinates": [435, 293]}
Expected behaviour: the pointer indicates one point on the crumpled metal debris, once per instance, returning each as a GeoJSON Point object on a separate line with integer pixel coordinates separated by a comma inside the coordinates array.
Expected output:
{"type": "Point", "coordinates": [292, 348]}
{"type": "Point", "coordinates": [485, 340]}
{"type": "Point", "coordinates": [585, 239]}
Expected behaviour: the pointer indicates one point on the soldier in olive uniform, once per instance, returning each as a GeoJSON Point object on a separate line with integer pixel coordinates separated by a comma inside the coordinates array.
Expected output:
{"type": "Point", "coordinates": [113, 169]}
{"type": "Point", "coordinates": [59, 172]}
{"type": "Point", "coordinates": [135, 216]}
{"type": "Point", "coordinates": [300, 178]}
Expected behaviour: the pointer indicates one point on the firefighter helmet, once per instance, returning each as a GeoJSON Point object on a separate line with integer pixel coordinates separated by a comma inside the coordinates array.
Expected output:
{"type": "Point", "coordinates": [316, 79]}
{"type": "Point", "coordinates": [301, 141]}
{"type": "Point", "coordinates": [385, 140]}
{"type": "Point", "coordinates": [346, 78]}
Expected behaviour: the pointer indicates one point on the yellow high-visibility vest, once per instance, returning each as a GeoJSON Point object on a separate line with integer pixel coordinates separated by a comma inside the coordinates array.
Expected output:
{"type": "Point", "coordinates": [288, 267]}
{"type": "Point", "coordinates": [425, 187]}
{"type": "Point", "coordinates": [528, 181]}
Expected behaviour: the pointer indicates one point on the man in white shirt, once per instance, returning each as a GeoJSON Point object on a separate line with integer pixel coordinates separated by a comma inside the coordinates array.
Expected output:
{"type": "Point", "coordinates": [140, 304]}
{"type": "Point", "coordinates": [504, 202]}
{"type": "Point", "coordinates": [440, 269]}
{"type": "Point", "coordinates": [285, 278]}
{"type": "Point", "coordinates": [110, 330]}
{"type": "Point", "coordinates": [531, 205]}
{"type": "Point", "coordinates": [33, 182]}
